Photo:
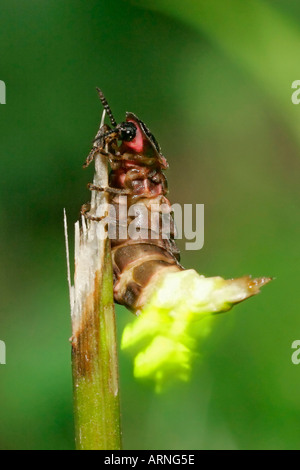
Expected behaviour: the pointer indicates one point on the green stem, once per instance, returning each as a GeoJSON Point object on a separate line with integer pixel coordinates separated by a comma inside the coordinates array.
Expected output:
{"type": "Point", "coordinates": [95, 369]}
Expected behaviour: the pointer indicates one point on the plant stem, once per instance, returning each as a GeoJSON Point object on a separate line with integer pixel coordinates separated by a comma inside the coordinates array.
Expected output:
{"type": "Point", "coordinates": [94, 344]}
{"type": "Point", "coordinates": [95, 371]}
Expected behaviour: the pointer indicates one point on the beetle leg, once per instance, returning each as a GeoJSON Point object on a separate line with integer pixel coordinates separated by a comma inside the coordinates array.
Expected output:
{"type": "Point", "coordinates": [137, 174]}
{"type": "Point", "coordinates": [103, 152]}
{"type": "Point", "coordinates": [92, 154]}
{"type": "Point", "coordinates": [107, 189]}
{"type": "Point", "coordinates": [90, 157]}
{"type": "Point", "coordinates": [115, 148]}
{"type": "Point", "coordinates": [85, 208]}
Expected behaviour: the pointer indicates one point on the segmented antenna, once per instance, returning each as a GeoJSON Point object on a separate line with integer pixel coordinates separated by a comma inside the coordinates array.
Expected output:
{"type": "Point", "coordinates": [106, 107]}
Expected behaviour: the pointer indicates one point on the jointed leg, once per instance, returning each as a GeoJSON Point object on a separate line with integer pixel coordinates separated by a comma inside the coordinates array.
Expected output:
{"type": "Point", "coordinates": [107, 189]}
{"type": "Point", "coordinates": [92, 155]}
{"type": "Point", "coordinates": [84, 211]}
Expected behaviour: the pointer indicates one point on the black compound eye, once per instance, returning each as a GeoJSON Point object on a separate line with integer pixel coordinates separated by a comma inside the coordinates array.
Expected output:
{"type": "Point", "coordinates": [127, 131]}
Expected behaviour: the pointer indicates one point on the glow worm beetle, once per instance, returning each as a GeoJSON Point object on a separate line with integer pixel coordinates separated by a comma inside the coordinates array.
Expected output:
{"type": "Point", "coordinates": [136, 165]}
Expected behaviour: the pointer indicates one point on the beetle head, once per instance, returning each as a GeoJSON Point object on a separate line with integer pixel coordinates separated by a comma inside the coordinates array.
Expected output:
{"type": "Point", "coordinates": [144, 142]}
{"type": "Point", "coordinates": [135, 136]}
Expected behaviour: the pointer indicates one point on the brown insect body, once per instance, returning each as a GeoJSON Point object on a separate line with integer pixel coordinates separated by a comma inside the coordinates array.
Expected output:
{"type": "Point", "coordinates": [136, 173]}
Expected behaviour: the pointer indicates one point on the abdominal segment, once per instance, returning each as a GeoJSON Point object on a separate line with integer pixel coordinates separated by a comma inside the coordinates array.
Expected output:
{"type": "Point", "coordinates": [145, 252]}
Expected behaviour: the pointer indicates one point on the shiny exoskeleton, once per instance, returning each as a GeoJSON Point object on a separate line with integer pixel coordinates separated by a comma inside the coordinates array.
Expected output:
{"type": "Point", "coordinates": [136, 165]}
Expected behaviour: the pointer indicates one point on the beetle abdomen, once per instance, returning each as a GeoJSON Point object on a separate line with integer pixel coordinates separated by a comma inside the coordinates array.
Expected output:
{"type": "Point", "coordinates": [136, 267]}
{"type": "Point", "coordinates": [138, 261]}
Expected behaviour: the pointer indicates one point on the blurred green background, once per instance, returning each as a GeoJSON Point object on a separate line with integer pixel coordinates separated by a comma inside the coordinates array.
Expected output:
{"type": "Point", "coordinates": [213, 82]}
